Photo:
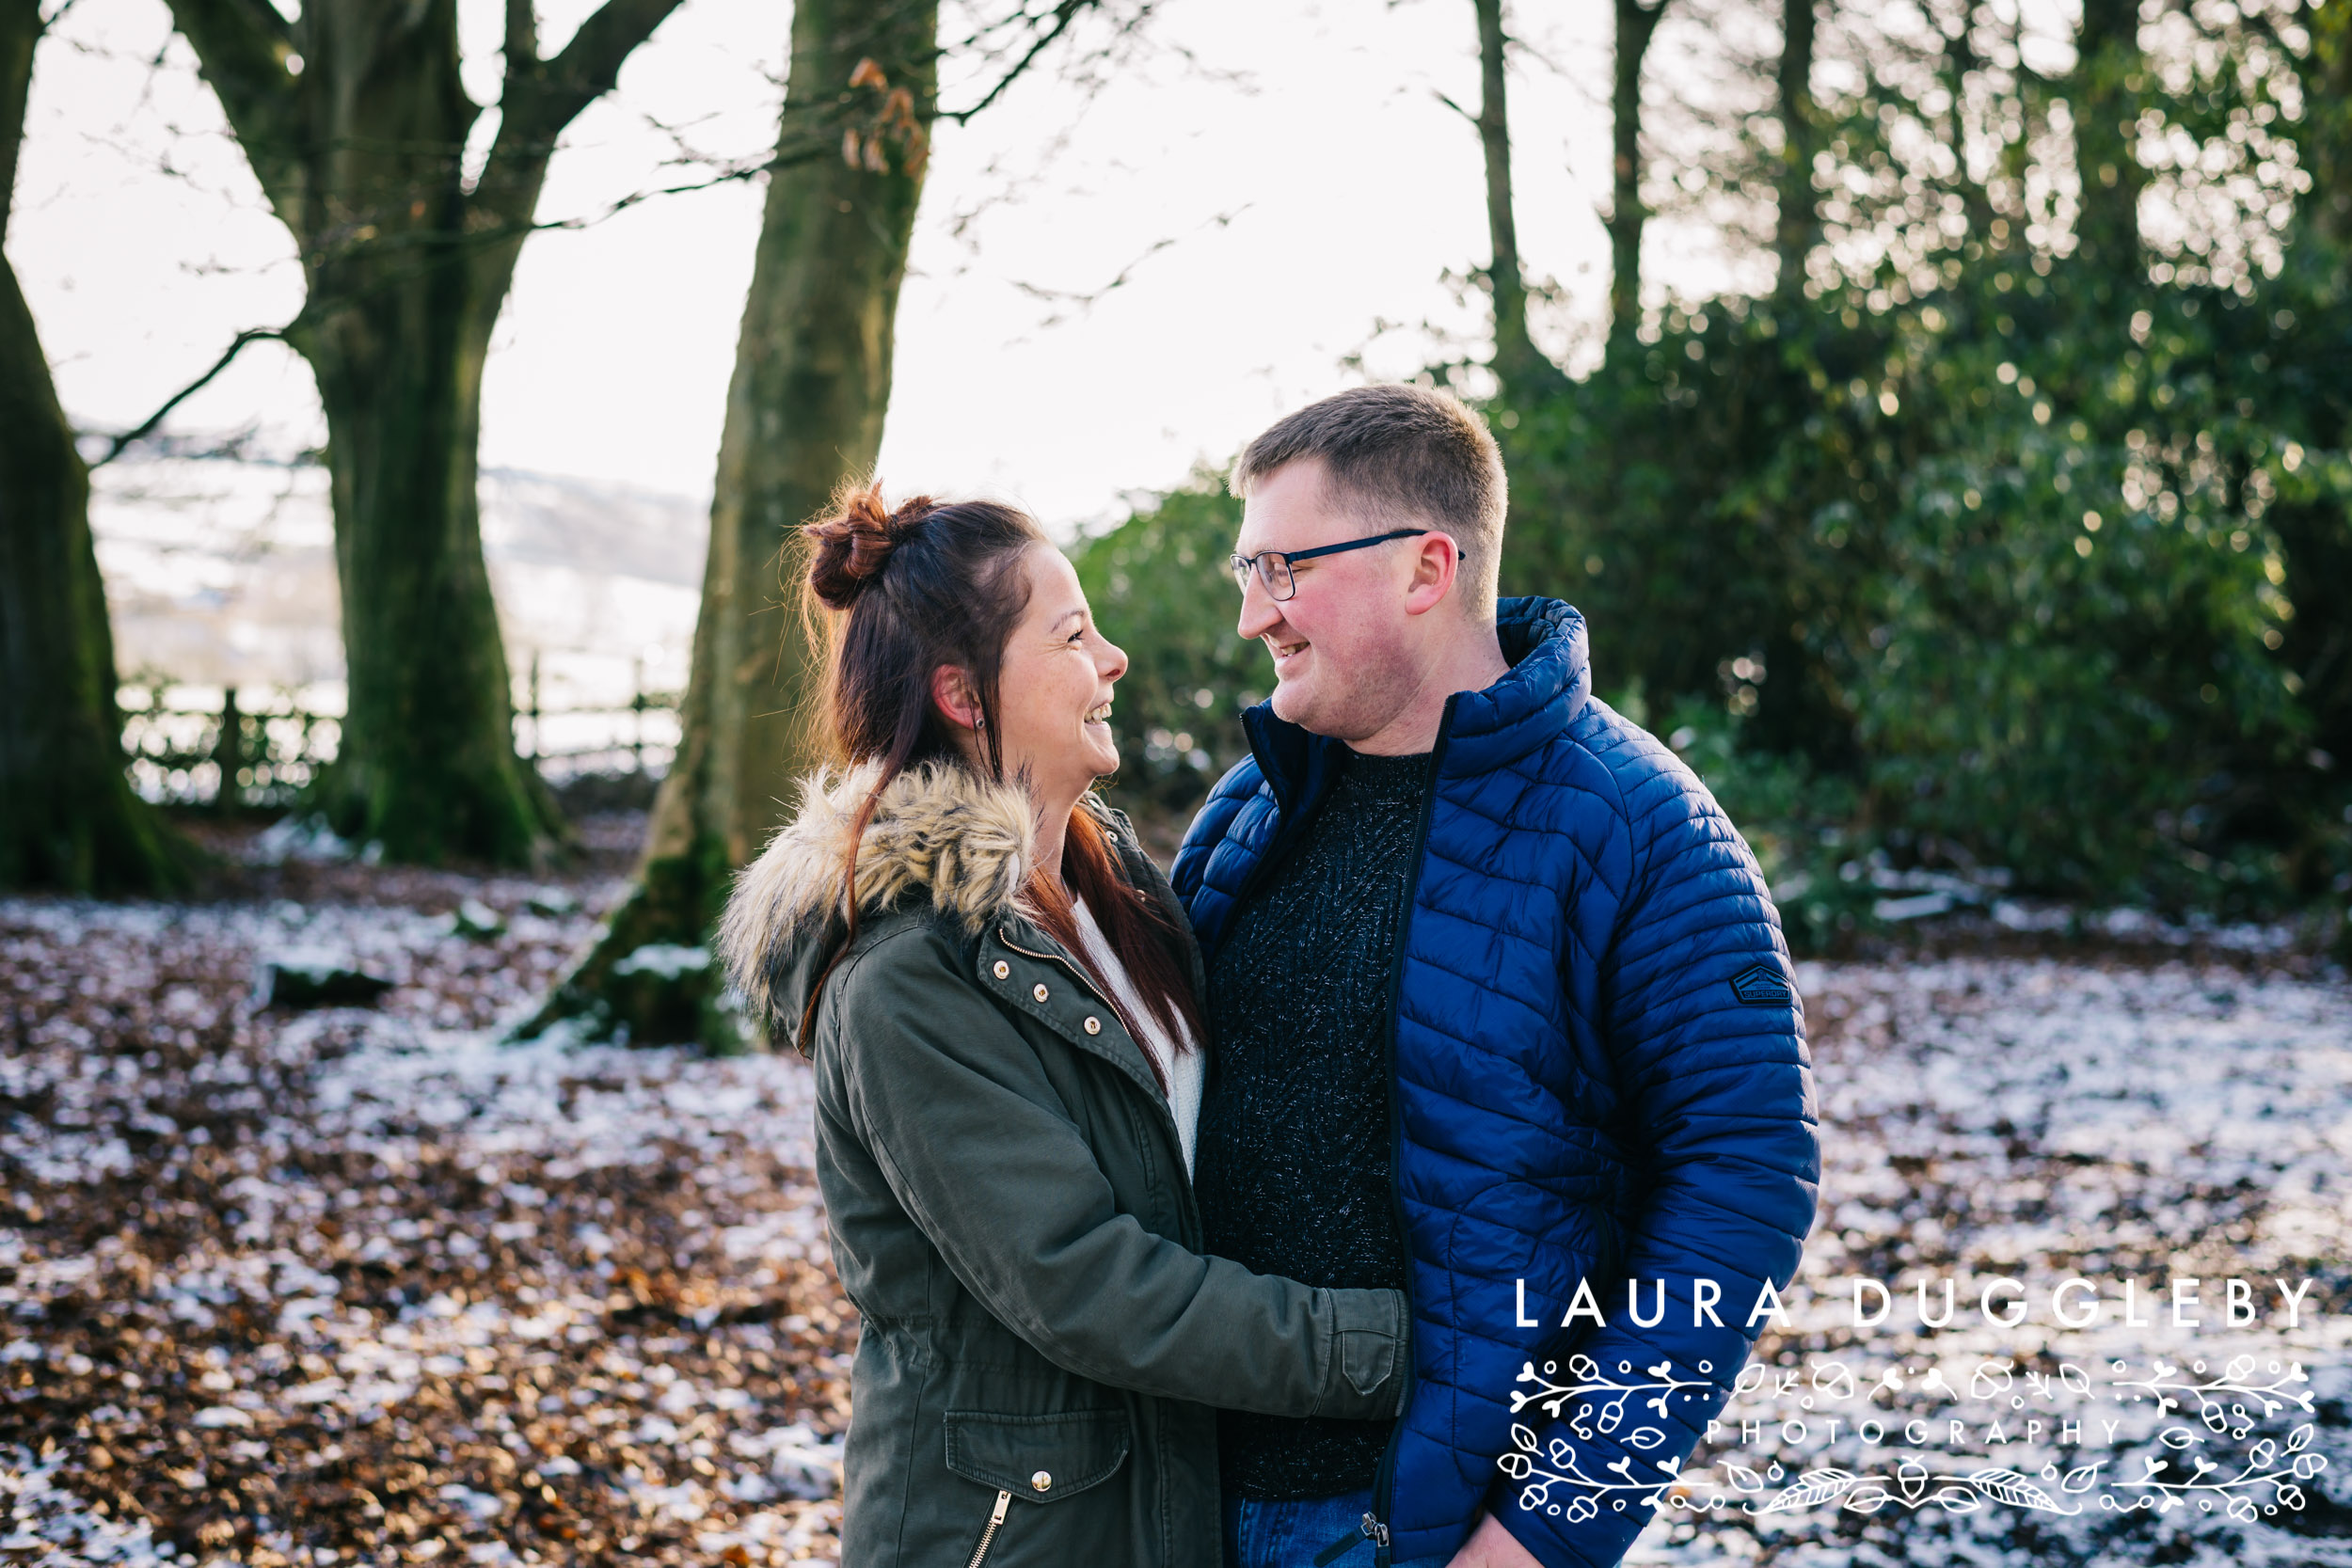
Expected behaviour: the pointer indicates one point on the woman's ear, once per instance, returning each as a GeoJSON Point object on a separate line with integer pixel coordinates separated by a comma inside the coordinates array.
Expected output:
{"type": "Point", "coordinates": [951, 693]}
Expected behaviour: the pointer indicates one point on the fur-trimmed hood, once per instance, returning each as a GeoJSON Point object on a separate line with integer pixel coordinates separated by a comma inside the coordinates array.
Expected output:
{"type": "Point", "coordinates": [940, 832]}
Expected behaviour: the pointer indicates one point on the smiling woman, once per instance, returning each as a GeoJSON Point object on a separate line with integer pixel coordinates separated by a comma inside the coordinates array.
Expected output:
{"type": "Point", "coordinates": [1001, 997]}
{"type": "Point", "coordinates": [960, 635]}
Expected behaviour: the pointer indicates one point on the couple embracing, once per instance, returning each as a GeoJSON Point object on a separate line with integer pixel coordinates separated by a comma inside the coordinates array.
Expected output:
{"type": "Point", "coordinates": [1212, 1220]}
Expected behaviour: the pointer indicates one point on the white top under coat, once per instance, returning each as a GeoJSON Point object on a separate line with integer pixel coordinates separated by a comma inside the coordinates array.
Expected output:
{"type": "Point", "coordinates": [1181, 1069]}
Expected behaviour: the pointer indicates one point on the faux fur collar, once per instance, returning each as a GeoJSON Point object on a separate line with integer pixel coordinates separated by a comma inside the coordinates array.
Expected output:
{"type": "Point", "coordinates": [940, 831]}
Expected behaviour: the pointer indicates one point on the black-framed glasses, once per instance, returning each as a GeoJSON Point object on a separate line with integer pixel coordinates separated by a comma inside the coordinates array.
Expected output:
{"type": "Point", "coordinates": [1274, 566]}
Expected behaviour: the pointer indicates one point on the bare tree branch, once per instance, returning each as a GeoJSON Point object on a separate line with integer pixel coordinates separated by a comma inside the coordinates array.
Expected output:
{"type": "Point", "coordinates": [1063, 14]}
{"type": "Point", "coordinates": [243, 47]}
{"type": "Point", "coordinates": [146, 427]}
{"type": "Point", "coordinates": [1085, 300]}
{"type": "Point", "coordinates": [542, 96]}
{"type": "Point", "coordinates": [523, 36]}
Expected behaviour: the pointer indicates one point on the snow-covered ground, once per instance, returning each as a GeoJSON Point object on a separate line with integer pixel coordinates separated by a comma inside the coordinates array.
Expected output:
{"type": "Point", "coordinates": [2140, 1119]}
{"type": "Point", "coordinates": [365, 1286]}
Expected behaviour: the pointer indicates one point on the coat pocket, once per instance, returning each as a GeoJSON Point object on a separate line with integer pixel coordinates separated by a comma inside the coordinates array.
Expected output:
{"type": "Point", "coordinates": [1039, 1459]}
{"type": "Point", "coordinates": [1044, 1460]}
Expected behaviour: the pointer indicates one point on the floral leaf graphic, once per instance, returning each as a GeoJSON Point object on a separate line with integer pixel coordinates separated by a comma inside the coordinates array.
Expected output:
{"type": "Point", "coordinates": [2009, 1487]}
{"type": "Point", "coordinates": [1809, 1489]}
{"type": "Point", "coordinates": [1743, 1478]}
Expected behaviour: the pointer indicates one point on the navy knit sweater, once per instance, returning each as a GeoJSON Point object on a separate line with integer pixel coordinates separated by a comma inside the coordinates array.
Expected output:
{"type": "Point", "coordinates": [1293, 1173]}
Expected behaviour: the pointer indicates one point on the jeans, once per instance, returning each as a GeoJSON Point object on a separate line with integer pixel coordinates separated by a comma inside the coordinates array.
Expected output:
{"type": "Point", "coordinates": [1293, 1534]}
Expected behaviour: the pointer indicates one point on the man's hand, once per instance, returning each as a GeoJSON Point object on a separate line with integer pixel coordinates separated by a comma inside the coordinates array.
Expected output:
{"type": "Point", "coordinates": [1492, 1546]}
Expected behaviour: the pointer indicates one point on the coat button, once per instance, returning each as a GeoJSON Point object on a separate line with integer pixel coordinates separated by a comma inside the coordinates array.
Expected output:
{"type": "Point", "coordinates": [1094, 1026]}
{"type": "Point", "coordinates": [1003, 969]}
{"type": "Point", "coordinates": [1042, 1481]}
{"type": "Point", "coordinates": [1039, 992]}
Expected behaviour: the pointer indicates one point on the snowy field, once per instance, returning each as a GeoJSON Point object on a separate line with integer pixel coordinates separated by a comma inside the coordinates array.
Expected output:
{"type": "Point", "coordinates": [361, 1286]}
{"type": "Point", "coordinates": [2139, 1117]}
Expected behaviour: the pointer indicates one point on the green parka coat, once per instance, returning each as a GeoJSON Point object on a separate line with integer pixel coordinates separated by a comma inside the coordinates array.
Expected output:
{"type": "Point", "coordinates": [1043, 1344]}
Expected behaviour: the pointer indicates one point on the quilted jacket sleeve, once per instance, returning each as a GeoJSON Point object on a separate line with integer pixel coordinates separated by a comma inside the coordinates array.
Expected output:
{"type": "Point", "coordinates": [1706, 1038]}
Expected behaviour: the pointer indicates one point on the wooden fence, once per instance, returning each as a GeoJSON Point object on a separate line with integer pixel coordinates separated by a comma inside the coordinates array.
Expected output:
{"type": "Point", "coordinates": [184, 741]}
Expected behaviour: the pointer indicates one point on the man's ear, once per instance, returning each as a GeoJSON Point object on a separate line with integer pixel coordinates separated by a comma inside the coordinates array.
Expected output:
{"type": "Point", "coordinates": [951, 693]}
{"type": "Point", "coordinates": [1437, 563]}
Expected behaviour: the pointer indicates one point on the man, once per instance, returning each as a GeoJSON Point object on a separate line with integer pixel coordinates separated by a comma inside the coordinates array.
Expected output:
{"type": "Point", "coordinates": [1502, 1016]}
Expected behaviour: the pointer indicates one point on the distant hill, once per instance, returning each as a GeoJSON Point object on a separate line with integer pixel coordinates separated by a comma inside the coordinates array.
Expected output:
{"type": "Point", "coordinates": [220, 572]}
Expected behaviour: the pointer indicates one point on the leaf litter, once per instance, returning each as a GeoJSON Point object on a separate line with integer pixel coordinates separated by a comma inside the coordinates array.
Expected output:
{"type": "Point", "coordinates": [365, 1285]}
{"type": "Point", "coordinates": [362, 1285]}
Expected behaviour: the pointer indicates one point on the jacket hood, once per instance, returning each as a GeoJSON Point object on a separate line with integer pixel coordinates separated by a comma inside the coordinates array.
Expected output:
{"type": "Point", "coordinates": [940, 836]}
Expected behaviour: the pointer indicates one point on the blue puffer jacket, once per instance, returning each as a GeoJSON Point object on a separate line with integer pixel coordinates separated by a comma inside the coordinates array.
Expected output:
{"type": "Point", "coordinates": [1600, 1075]}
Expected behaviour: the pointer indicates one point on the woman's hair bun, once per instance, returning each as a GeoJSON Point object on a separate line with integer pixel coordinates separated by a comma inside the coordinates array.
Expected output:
{"type": "Point", "coordinates": [849, 546]}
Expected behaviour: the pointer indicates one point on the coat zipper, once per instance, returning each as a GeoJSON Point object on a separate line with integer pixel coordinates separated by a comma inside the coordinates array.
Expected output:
{"type": "Point", "coordinates": [988, 1536]}
{"type": "Point", "coordinates": [1384, 1479]}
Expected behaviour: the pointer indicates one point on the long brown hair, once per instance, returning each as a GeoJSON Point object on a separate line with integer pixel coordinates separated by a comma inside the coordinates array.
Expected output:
{"type": "Point", "coordinates": [901, 592]}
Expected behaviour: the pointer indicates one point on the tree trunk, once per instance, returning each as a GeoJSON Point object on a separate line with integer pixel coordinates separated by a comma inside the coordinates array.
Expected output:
{"type": "Point", "coordinates": [1637, 24]}
{"type": "Point", "coordinates": [68, 816]}
{"type": "Point", "coordinates": [1960, 61]}
{"type": "Point", "coordinates": [427, 763]}
{"type": "Point", "coordinates": [354, 120]}
{"type": "Point", "coordinates": [1798, 225]}
{"type": "Point", "coordinates": [1517, 364]}
{"type": "Point", "coordinates": [2104, 101]}
{"type": "Point", "coordinates": [804, 410]}
{"type": "Point", "coordinates": [2327, 113]}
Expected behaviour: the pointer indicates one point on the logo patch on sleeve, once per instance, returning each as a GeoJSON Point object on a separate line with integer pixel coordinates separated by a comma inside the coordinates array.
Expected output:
{"type": "Point", "coordinates": [1763, 985]}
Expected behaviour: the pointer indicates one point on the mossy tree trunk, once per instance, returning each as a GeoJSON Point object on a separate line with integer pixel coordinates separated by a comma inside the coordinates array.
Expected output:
{"type": "Point", "coordinates": [68, 816]}
{"type": "Point", "coordinates": [2104, 102]}
{"type": "Point", "coordinates": [1522, 368]}
{"type": "Point", "coordinates": [1637, 24]}
{"type": "Point", "coordinates": [804, 409]}
{"type": "Point", "coordinates": [2327, 113]}
{"type": "Point", "coordinates": [1797, 224]}
{"type": "Point", "coordinates": [2316, 527]}
{"type": "Point", "coordinates": [355, 121]}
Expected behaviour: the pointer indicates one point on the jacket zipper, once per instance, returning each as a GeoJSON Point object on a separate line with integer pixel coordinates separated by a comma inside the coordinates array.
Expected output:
{"type": "Point", "coordinates": [1384, 1479]}
{"type": "Point", "coordinates": [988, 1536]}
{"type": "Point", "coordinates": [1372, 1530]}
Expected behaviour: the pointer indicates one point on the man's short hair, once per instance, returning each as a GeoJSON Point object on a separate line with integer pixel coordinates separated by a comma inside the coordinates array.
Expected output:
{"type": "Point", "coordinates": [1406, 456]}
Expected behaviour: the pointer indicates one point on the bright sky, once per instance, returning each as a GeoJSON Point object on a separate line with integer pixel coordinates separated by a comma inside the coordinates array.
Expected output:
{"type": "Point", "coordinates": [1313, 185]}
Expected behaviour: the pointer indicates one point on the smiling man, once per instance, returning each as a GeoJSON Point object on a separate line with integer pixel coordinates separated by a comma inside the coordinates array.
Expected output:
{"type": "Point", "coordinates": [1501, 1009]}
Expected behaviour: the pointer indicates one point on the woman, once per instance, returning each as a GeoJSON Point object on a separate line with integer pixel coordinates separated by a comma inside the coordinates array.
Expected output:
{"type": "Point", "coordinates": [999, 993]}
